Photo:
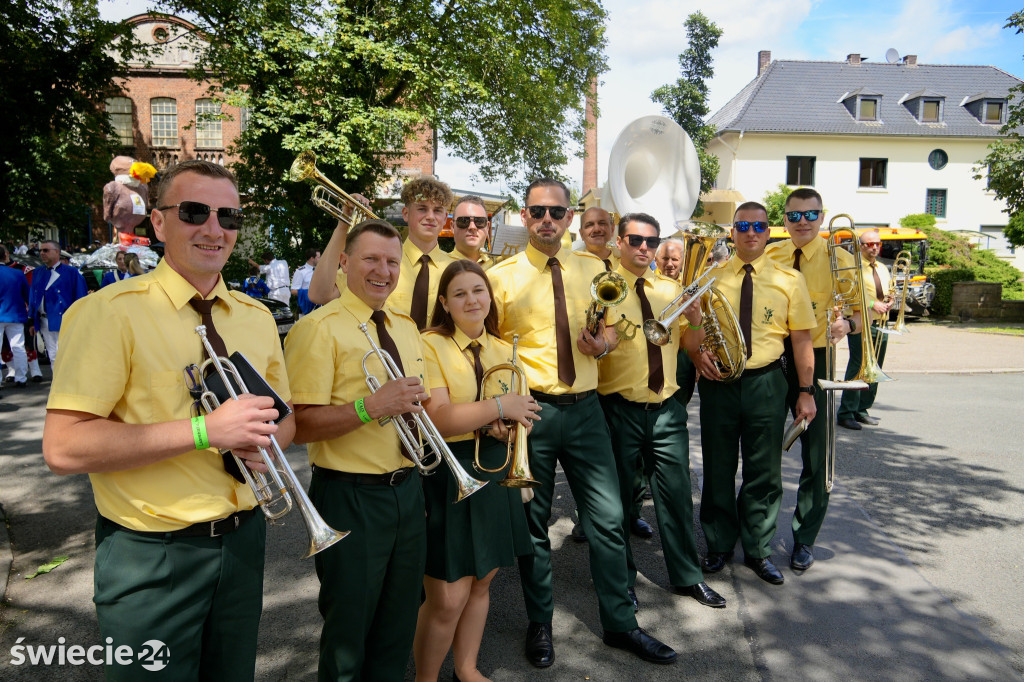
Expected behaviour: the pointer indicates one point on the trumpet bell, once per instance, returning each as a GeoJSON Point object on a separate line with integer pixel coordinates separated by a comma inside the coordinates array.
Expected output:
{"type": "Point", "coordinates": [303, 167]}
{"type": "Point", "coordinates": [657, 332]}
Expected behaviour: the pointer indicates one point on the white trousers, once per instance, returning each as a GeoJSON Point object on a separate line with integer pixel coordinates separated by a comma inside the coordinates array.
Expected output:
{"type": "Point", "coordinates": [15, 333]}
{"type": "Point", "coordinates": [50, 341]}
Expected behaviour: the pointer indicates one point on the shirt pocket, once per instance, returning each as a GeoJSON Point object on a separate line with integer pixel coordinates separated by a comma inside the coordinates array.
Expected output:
{"type": "Point", "coordinates": [168, 396]}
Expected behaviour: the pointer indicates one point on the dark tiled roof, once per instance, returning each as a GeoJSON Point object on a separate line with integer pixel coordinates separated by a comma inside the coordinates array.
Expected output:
{"type": "Point", "coordinates": [805, 97]}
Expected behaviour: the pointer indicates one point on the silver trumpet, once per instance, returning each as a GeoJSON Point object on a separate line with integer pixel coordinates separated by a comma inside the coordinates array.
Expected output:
{"type": "Point", "coordinates": [426, 461]}
{"type": "Point", "coordinates": [274, 493]}
{"type": "Point", "coordinates": [659, 331]}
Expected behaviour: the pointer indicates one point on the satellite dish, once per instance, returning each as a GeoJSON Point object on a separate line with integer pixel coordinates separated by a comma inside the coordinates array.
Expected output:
{"type": "Point", "coordinates": [892, 56]}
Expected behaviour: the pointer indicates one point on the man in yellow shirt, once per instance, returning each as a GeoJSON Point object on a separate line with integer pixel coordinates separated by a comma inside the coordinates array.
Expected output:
{"type": "Point", "coordinates": [472, 230]}
{"type": "Point", "coordinates": [648, 429]}
{"type": "Point", "coordinates": [807, 252]}
{"type": "Point", "coordinates": [853, 410]}
{"type": "Point", "coordinates": [542, 295]}
{"type": "Point", "coordinates": [771, 304]}
{"type": "Point", "coordinates": [596, 231]}
{"type": "Point", "coordinates": [370, 583]}
{"type": "Point", "coordinates": [119, 410]}
{"type": "Point", "coordinates": [426, 201]}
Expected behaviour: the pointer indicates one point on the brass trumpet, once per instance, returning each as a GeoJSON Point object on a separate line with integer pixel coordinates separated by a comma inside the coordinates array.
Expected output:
{"type": "Point", "coordinates": [276, 494]}
{"type": "Point", "coordinates": [408, 434]}
{"type": "Point", "coordinates": [519, 475]}
{"type": "Point", "coordinates": [328, 196]}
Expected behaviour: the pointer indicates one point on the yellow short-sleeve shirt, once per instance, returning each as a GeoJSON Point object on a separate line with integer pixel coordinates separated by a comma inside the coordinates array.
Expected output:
{"type": "Point", "coordinates": [401, 297]}
{"type": "Point", "coordinates": [123, 351]}
{"type": "Point", "coordinates": [324, 352]}
{"type": "Point", "coordinates": [484, 261]}
{"type": "Point", "coordinates": [874, 293]}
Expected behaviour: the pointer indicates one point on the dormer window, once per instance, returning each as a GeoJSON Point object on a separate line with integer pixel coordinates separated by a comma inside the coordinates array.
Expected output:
{"type": "Point", "coordinates": [863, 104]}
{"type": "Point", "coordinates": [931, 111]}
{"type": "Point", "coordinates": [992, 112]}
{"type": "Point", "coordinates": [867, 109]}
{"type": "Point", "coordinates": [988, 107]}
{"type": "Point", "coordinates": [925, 105]}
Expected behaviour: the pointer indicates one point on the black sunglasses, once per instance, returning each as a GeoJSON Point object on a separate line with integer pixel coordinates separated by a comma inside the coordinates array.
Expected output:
{"type": "Point", "coordinates": [462, 222]}
{"type": "Point", "coordinates": [537, 212]}
{"type": "Point", "coordinates": [635, 240]}
{"type": "Point", "coordinates": [810, 216]}
{"type": "Point", "coordinates": [196, 213]}
{"type": "Point", "coordinates": [744, 225]}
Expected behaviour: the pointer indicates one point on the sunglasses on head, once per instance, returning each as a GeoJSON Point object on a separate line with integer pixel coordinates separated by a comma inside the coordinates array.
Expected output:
{"type": "Point", "coordinates": [635, 240]}
{"type": "Point", "coordinates": [744, 225]}
{"type": "Point", "coordinates": [809, 216]}
{"type": "Point", "coordinates": [196, 213]}
{"type": "Point", "coordinates": [462, 222]}
{"type": "Point", "coordinates": [537, 212]}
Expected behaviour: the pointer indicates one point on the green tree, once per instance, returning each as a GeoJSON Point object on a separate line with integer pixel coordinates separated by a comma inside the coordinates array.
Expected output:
{"type": "Point", "coordinates": [499, 83]}
{"type": "Point", "coordinates": [686, 100]}
{"type": "Point", "coordinates": [59, 61]}
{"type": "Point", "coordinates": [1005, 159]}
{"type": "Point", "coordinates": [775, 202]}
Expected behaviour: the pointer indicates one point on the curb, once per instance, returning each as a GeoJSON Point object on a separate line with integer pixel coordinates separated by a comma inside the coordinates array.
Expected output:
{"type": "Point", "coordinates": [1006, 370]}
{"type": "Point", "coordinates": [6, 555]}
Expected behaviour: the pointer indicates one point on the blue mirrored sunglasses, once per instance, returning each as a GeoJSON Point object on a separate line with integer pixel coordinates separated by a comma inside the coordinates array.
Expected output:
{"type": "Point", "coordinates": [809, 216]}
{"type": "Point", "coordinates": [744, 225]}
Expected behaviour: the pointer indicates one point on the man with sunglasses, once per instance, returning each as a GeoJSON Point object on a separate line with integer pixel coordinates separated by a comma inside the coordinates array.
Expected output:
{"type": "Point", "coordinates": [807, 252]}
{"type": "Point", "coordinates": [749, 413]}
{"type": "Point", "coordinates": [179, 543]}
{"type": "Point", "coordinates": [648, 428]}
{"type": "Point", "coordinates": [472, 230]}
{"type": "Point", "coordinates": [542, 294]}
{"type": "Point", "coordinates": [52, 291]}
{"type": "Point", "coordinates": [853, 410]}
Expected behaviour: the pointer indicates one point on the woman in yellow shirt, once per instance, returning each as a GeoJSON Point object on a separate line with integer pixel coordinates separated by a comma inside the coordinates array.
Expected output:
{"type": "Point", "coordinates": [467, 542]}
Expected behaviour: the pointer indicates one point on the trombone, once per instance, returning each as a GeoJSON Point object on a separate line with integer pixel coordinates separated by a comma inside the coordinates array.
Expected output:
{"type": "Point", "coordinates": [326, 195]}
{"type": "Point", "coordinates": [275, 494]}
{"type": "Point", "coordinates": [519, 475]}
{"type": "Point", "coordinates": [408, 433]}
{"type": "Point", "coordinates": [897, 295]}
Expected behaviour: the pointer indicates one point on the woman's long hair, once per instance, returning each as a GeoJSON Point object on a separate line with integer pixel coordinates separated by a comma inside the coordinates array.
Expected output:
{"type": "Point", "coordinates": [441, 321]}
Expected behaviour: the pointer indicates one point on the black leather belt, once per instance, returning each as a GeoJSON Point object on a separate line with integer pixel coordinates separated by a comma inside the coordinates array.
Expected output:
{"type": "Point", "coordinates": [762, 370]}
{"type": "Point", "coordinates": [648, 407]}
{"type": "Point", "coordinates": [391, 479]}
{"type": "Point", "coordinates": [205, 529]}
{"type": "Point", "coordinates": [563, 399]}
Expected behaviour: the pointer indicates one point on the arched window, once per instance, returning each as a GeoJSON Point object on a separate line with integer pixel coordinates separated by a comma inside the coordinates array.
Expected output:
{"type": "Point", "coordinates": [164, 113]}
{"type": "Point", "coordinates": [119, 109]}
{"type": "Point", "coordinates": [208, 128]}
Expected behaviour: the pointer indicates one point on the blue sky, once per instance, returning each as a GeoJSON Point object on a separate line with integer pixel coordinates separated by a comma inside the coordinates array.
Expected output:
{"type": "Point", "coordinates": [645, 38]}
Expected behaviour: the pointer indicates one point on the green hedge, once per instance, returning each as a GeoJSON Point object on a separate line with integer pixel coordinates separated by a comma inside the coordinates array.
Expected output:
{"type": "Point", "coordinates": [943, 279]}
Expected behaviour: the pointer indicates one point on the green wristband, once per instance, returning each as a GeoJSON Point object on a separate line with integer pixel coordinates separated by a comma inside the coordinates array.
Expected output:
{"type": "Point", "coordinates": [199, 432]}
{"type": "Point", "coordinates": [364, 416]}
{"type": "Point", "coordinates": [694, 327]}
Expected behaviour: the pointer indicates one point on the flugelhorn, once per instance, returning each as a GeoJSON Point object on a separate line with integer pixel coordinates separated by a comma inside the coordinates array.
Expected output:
{"type": "Point", "coordinates": [328, 196]}
{"type": "Point", "coordinates": [425, 461]}
{"type": "Point", "coordinates": [277, 493]}
{"type": "Point", "coordinates": [607, 289]}
{"type": "Point", "coordinates": [659, 331]}
{"type": "Point", "coordinates": [516, 459]}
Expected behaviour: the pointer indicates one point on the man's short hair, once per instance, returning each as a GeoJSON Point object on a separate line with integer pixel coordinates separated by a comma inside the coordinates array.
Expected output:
{"type": "Point", "coordinates": [427, 188]}
{"type": "Point", "coordinates": [54, 244]}
{"type": "Point", "coordinates": [311, 252]}
{"type": "Point", "coordinates": [204, 168]}
{"type": "Point", "coordinates": [671, 241]}
{"type": "Point", "coordinates": [749, 206]}
{"type": "Point", "coordinates": [3, 252]}
{"type": "Point", "coordinates": [720, 253]}
{"type": "Point", "coordinates": [268, 254]}
{"type": "Point", "coordinates": [547, 182]}
{"type": "Point", "coordinates": [804, 193]}
{"type": "Point", "coordinates": [637, 218]}
{"type": "Point", "coordinates": [470, 199]}
{"type": "Point", "coordinates": [381, 227]}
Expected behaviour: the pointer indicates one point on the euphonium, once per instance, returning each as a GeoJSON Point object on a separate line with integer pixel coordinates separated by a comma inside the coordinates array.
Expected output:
{"type": "Point", "coordinates": [723, 336]}
{"type": "Point", "coordinates": [519, 475]}
{"type": "Point", "coordinates": [277, 490]}
{"type": "Point", "coordinates": [608, 289]}
{"type": "Point", "coordinates": [408, 434]}
{"type": "Point", "coordinates": [326, 195]}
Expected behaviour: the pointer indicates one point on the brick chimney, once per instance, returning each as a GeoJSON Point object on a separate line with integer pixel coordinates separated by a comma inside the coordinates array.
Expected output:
{"type": "Point", "coordinates": [853, 59]}
{"type": "Point", "coordinates": [764, 59]}
{"type": "Point", "coordinates": [910, 60]}
{"type": "Point", "coordinates": [590, 139]}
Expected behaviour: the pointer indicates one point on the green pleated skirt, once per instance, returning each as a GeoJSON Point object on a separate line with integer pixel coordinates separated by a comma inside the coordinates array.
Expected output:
{"type": "Point", "coordinates": [486, 530]}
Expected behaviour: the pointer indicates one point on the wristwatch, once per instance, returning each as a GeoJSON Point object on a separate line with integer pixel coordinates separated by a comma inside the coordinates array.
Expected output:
{"type": "Point", "coordinates": [807, 389]}
{"type": "Point", "coordinates": [849, 320]}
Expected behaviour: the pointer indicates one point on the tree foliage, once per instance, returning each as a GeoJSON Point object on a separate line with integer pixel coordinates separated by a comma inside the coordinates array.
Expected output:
{"type": "Point", "coordinates": [775, 202]}
{"type": "Point", "coordinates": [499, 83]}
{"type": "Point", "coordinates": [686, 100]}
{"type": "Point", "coordinates": [59, 61]}
{"type": "Point", "coordinates": [1005, 159]}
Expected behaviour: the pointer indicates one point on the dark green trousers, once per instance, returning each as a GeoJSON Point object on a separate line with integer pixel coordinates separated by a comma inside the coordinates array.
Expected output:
{"type": "Point", "coordinates": [657, 441]}
{"type": "Point", "coordinates": [859, 402]}
{"type": "Point", "coordinates": [746, 415]}
{"type": "Point", "coordinates": [201, 597]}
{"type": "Point", "coordinates": [811, 498]}
{"type": "Point", "coordinates": [576, 436]}
{"type": "Point", "coordinates": [372, 581]}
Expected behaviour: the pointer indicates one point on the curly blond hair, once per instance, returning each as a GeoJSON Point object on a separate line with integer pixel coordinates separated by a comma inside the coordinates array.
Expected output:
{"type": "Point", "coordinates": [427, 188]}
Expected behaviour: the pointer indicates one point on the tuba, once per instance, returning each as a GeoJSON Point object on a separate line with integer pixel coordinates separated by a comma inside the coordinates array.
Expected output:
{"type": "Point", "coordinates": [328, 196]}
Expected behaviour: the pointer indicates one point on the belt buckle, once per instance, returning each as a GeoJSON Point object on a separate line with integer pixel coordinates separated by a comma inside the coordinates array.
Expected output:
{"type": "Point", "coordinates": [651, 407]}
{"type": "Point", "coordinates": [397, 477]}
{"type": "Point", "coordinates": [213, 526]}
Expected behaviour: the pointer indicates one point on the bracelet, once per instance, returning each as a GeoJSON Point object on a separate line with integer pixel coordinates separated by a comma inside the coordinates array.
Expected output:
{"type": "Point", "coordinates": [852, 328]}
{"type": "Point", "coordinates": [694, 327]}
{"type": "Point", "coordinates": [202, 441]}
{"type": "Point", "coordinates": [606, 351]}
{"type": "Point", "coordinates": [501, 414]}
{"type": "Point", "coordinates": [363, 415]}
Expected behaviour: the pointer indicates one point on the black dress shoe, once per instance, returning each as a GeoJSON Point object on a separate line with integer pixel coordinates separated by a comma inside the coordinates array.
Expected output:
{"type": "Point", "coordinates": [849, 424]}
{"type": "Point", "coordinates": [866, 419]}
{"type": "Point", "coordinates": [632, 598]}
{"type": "Point", "coordinates": [642, 644]}
{"type": "Point", "coordinates": [20, 384]}
{"type": "Point", "coordinates": [539, 650]}
{"type": "Point", "coordinates": [641, 529]}
{"type": "Point", "coordinates": [765, 570]}
{"type": "Point", "coordinates": [37, 378]}
{"type": "Point", "coordinates": [802, 557]}
{"type": "Point", "coordinates": [9, 380]}
{"type": "Point", "coordinates": [578, 534]}
{"type": "Point", "coordinates": [715, 561]}
{"type": "Point", "coordinates": [704, 595]}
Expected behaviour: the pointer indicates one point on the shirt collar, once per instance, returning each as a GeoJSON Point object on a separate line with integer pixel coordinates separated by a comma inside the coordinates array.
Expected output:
{"type": "Point", "coordinates": [737, 265]}
{"type": "Point", "coordinates": [811, 250]}
{"type": "Point", "coordinates": [357, 306]}
{"type": "Point", "coordinates": [631, 279]}
{"type": "Point", "coordinates": [179, 290]}
{"type": "Point", "coordinates": [413, 252]}
{"type": "Point", "coordinates": [464, 342]}
{"type": "Point", "coordinates": [539, 259]}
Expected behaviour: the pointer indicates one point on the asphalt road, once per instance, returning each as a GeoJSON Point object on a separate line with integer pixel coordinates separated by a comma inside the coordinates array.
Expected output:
{"type": "Point", "coordinates": [918, 572]}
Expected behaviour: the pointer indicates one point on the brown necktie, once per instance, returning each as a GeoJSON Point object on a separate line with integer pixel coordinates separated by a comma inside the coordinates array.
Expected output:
{"type": "Point", "coordinates": [419, 294]}
{"type": "Point", "coordinates": [607, 264]}
{"type": "Point", "coordinates": [878, 281]}
{"type": "Point", "coordinates": [387, 344]}
{"type": "Point", "coordinates": [796, 259]}
{"type": "Point", "coordinates": [747, 304]}
{"type": "Point", "coordinates": [478, 368]}
{"type": "Point", "coordinates": [205, 310]}
{"type": "Point", "coordinates": [563, 342]}
{"type": "Point", "coordinates": [655, 363]}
